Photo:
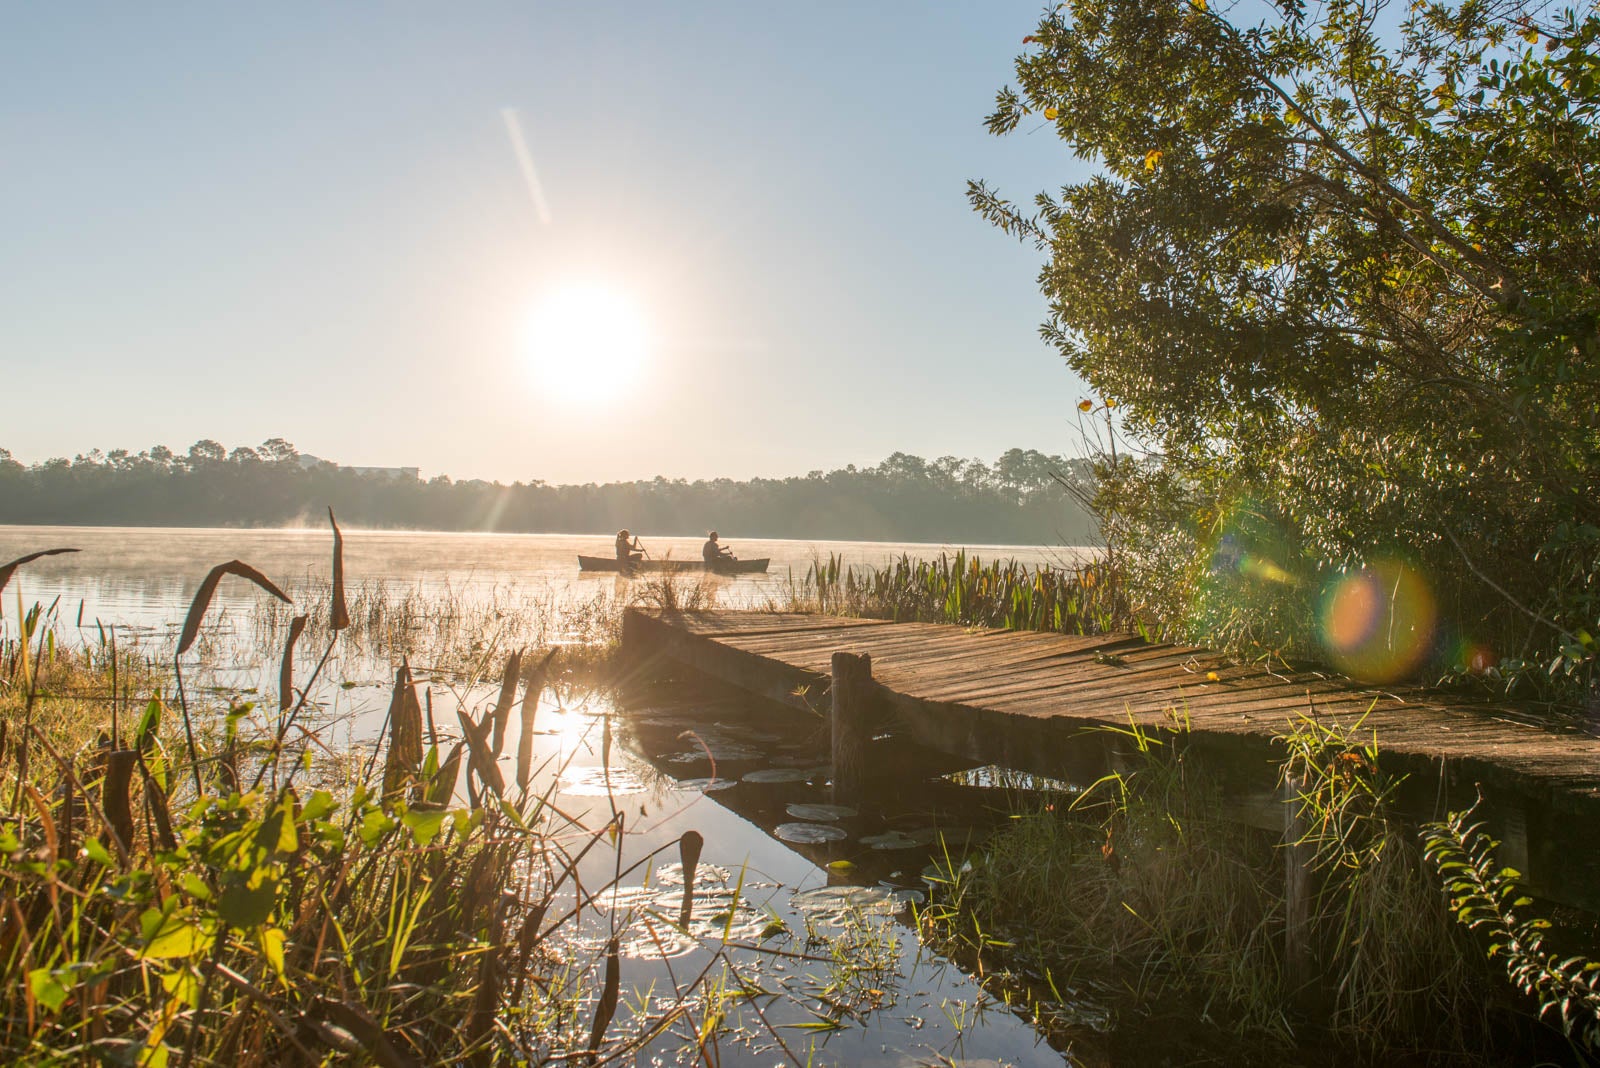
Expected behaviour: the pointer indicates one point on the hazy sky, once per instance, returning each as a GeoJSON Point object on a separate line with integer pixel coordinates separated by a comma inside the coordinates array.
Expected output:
{"type": "Point", "coordinates": [310, 221]}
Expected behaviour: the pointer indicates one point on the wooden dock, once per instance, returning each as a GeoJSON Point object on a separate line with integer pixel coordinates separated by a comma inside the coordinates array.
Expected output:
{"type": "Point", "coordinates": [1042, 702]}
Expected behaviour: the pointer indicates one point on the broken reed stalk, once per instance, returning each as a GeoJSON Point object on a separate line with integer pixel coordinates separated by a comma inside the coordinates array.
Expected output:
{"type": "Point", "coordinates": [508, 696]}
{"type": "Point", "coordinates": [402, 765]}
{"type": "Point", "coordinates": [534, 679]}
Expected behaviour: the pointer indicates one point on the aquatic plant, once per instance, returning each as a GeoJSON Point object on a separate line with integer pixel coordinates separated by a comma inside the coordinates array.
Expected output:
{"type": "Point", "coordinates": [958, 588]}
{"type": "Point", "coordinates": [1154, 878]}
{"type": "Point", "coordinates": [186, 884]}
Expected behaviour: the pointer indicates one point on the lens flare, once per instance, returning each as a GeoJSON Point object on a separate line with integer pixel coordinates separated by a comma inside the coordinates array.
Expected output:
{"type": "Point", "coordinates": [1473, 657]}
{"type": "Point", "coordinates": [1378, 623]}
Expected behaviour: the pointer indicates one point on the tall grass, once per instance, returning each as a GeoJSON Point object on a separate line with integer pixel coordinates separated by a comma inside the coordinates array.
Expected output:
{"type": "Point", "coordinates": [176, 889]}
{"type": "Point", "coordinates": [1147, 878]}
{"type": "Point", "coordinates": [447, 628]}
{"type": "Point", "coordinates": [957, 588]}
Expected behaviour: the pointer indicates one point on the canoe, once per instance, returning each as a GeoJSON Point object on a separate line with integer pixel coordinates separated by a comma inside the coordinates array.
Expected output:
{"type": "Point", "coordinates": [729, 567]}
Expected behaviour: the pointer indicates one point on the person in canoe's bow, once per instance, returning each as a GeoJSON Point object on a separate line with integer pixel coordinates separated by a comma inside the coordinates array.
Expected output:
{"type": "Point", "coordinates": [629, 551]}
{"type": "Point", "coordinates": [713, 553]}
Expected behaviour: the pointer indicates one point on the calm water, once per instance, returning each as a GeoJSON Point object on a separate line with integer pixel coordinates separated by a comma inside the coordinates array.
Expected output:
{"type": "Point", "coordinates": [144, 576]}
{"type": "Point", "coordinates": [752, 779]}
{"type": "Point", "coordinates": [779, 862]}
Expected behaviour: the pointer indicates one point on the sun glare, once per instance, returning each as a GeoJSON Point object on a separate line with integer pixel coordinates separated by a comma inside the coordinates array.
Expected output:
{"type": "Point", "coordinates": [585, 341]}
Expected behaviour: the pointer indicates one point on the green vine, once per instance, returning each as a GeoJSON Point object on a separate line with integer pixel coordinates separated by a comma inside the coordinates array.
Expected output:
{"type": "Point", "coordinates": [1486, 898]}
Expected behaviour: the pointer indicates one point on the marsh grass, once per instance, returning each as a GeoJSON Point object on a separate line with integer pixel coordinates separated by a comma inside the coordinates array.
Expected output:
{"type": "Point", "coordinates": [448, 629]}
{"type": "Point", "coordinates": [957, 588]}
{"type": "Point", "coordinates": [1145, 878]}
{"type": "Point", "coordinates": [181, 891]}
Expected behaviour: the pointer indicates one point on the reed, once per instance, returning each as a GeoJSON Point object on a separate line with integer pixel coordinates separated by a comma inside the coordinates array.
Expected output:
{"type": "Point", "coordinates": [183, 885]}
{"type": "Point", "coordinates": [957, 588]}
{"type": "Point", "coordinates": [1143, 882]}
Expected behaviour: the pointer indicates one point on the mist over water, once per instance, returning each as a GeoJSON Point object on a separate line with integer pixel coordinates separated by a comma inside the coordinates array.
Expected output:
{"type": "Point", "coordinates": [143, 577]}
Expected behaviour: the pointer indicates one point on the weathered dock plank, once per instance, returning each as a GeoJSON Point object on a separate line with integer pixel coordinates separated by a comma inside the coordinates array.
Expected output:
{"type": "Point", "coordinates": [998, 696]}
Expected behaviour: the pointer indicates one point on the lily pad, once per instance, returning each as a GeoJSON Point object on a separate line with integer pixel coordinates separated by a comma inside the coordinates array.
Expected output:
{"type": "Point", "coordinates": [826, 813]}
{"type": "Point", "coordinates": [809, 833]}
{"type": "Point", "coordinates": [706, 786]}
{"type": "Point", "coordinates": [594, 782]}
{"type": "Point", "coordinates": [900, 839]}
{"type": "Point", "coordinates": [776, 775]}
{"type": "Point", "coordinates": [838, 905]}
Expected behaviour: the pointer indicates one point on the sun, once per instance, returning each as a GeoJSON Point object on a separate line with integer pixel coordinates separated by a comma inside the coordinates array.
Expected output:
{"type": "Point", "coordinates": [585, 341]}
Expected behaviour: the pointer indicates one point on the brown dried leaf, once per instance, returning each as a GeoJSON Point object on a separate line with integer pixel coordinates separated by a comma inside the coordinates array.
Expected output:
{"type": "Point", "coordinates": [508, 697]}
{"type": "Point", "coordinates": [7, 570]}
{"type": "Point", "coordinates": [202, 597]}
{"type": "Point", "coordinates": [608, 998]}
{"type": "Point", "coordinates": [286, 670]}
{"type": "Point", "coordinates": [338, 613]}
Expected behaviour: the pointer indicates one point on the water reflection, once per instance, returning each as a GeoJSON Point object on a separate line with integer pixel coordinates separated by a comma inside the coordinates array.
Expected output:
{"type": "Point", "coordinates": [816, 869]}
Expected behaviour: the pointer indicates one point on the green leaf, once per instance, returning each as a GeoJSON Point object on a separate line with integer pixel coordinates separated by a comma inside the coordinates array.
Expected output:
{"type": "Point", "coordinates": [182, 986]}
{"type": "Point", "coordinates": [271, 940]}
{"type": "Point", "coordinates": [320, 805]}
{"type": "Point", "coordinates": [374, 825]}
{"type": "Point", "coordinates": [176, 934]}
{"type": "Point", "coordinates": [47, 989]}
{"type": "Point", "coordinates": [277, 833]}
{"type": "Point", "coordinates": [246, 906]}
{"type": "Point", "coordinates": [149, 723]}
{"type": "Point", "coordinates": [96, 851]}
{"type": "Point", "coordinates": [424, 825]}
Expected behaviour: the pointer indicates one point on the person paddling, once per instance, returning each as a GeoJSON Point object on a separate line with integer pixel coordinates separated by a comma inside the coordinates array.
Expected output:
{"type": "Point", "coordinates": [713, 553]}
{"type": "Point", "coordinates": [626, 546]}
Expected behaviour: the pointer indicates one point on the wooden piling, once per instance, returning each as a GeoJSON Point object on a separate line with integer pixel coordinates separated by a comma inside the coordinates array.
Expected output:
{"type": "Point", "coordinates": [850, 719]}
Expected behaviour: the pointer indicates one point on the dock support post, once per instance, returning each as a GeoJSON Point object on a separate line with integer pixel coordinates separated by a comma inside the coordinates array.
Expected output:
{"type": "Point", "coordinates": [1296, 891]}
{"type": "Point", "coordinates": [850, 722]}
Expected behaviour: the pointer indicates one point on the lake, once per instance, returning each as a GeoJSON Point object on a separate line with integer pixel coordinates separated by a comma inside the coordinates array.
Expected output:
{"type": "Point", "coordinates": [144, 577]}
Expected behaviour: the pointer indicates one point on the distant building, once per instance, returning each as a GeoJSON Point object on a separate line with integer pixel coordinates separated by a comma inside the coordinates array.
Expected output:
{"type": "Point", "coordinates": [413, 474]}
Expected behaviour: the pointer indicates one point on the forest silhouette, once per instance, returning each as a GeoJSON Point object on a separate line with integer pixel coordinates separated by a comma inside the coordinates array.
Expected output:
{"type": "Point", "coordinates": [1015, 500]}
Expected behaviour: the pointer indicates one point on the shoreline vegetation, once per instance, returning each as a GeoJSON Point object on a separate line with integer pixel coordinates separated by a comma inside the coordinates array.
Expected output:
{"type": "Point", "coordinates": [1016, 500]}
{"type": "Point", "coordinates": [198, 879]}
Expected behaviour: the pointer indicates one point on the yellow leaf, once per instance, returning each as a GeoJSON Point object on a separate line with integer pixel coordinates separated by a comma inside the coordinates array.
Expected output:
{"type": "Point", "coordinates": [271, 940]}
{"type": "Point", "coordinates": [1151, 159]}
{"type": "Point", "coordinates": [182, 986]}
{"type": "Point", "coordinates": [1051, 112]}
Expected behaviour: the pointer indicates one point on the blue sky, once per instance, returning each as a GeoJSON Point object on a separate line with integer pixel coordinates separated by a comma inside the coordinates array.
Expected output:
{"type": "Point", "coordinates": [307, 220]}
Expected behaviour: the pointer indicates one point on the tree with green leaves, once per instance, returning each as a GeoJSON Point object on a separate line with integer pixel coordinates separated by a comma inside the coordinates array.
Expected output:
{"type": "Point", "coordinates": [1338, 270]}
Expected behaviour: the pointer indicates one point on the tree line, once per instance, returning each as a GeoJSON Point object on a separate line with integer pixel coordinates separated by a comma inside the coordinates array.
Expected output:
{"type": "Point", "coordinates": [1015, 500]}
